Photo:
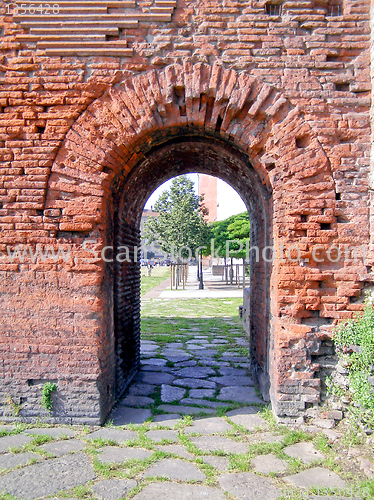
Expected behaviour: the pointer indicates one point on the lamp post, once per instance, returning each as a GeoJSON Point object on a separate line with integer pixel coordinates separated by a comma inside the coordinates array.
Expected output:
{"type": "Point", "coordinates": [201, 284]}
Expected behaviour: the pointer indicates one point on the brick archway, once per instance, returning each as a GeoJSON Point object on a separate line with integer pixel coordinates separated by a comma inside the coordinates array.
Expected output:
{"type": "Point", "coordinates": [118, 144]}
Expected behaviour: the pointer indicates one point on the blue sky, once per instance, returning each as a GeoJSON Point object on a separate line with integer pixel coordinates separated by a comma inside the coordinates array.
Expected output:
{"type": "Point", "coordinates": [229, 202]}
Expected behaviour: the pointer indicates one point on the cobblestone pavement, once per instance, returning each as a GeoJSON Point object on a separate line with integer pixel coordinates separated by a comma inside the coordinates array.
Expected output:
{"type": "Point", "coordinates": [210, 437]}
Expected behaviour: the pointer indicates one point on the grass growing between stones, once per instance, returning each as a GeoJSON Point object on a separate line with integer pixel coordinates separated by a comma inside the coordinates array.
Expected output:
{"type": "Point", "coordinates": [96, 443]}
{"type": "Point", "coordinates": [80, 492]}
{"type": "Point", "coordinates": [6, 496]}
{"type": "Point", "coordinates": [210, 472]}
{"type": "Point", "coordinates": [13, 432]}
{"type": "Point", "coordinates": [39, 439]}
{"type": "Point", "coordinates": [190, 447]}
{"type": "Point", "coordinates": [33, 446]}
{"type": "Point", "coordinates": [108, 471]}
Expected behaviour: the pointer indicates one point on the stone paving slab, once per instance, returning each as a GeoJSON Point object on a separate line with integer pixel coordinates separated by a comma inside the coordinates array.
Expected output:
{"type": "Point", "coordinates": [202, 402]}
{"type": "Point", "coordinates": [250, 421]}
{"type": "Point", "coordinates": [171, 393]}
{"type": "Point", "coordinates": [168, 420]}
{"type": "Point", "coordinates": [64, 498]}
{"type": "Point", "coordinates": [158, 436]}
{"type": "Point", "coordinates": [173, 468]}
{"type": "Point", "coordinates": [141, 389]}
{"type": "Point", "coordinates": [305, 451]}
{"type": "Point", "coordinates": [174, 345]}
{"type": "Point", "coordinates": [11, 461]}
{"type": "Point", "coordinates": [235, 359]}
{"type": "Point", "coordinates": [113, 455]}
{"type": "Point", "coordinates": [267, 437]}
{"type": "Point", "coordinates": [14, 441]}
{"type": "Point", "coordinates": [219, 443]}
{"type": "Point", "coordinates": [60, 448]}
{"type": "Point", "coordinates": [177, 349]}
{"type": "Point", "coordinates": [179, 358]}
{"type": "Point", "coordinates": [214, 362]}
{"type": "Point", "coordinates": [124, 415]}
{"type": "Point", "coordinates": [147, 355]}
{"type": "Point", "coordinates": [232, 372]}
{"type": "Point", "coordinates": [136, 401]}
{"type": "Point", "coordinates": [195, 383]}
{"type": "Point", "coordinates": [185, 410]}
{"type": "Point", "coordinates": [172, 491]}
{"type": "Point", "coordinates": [240, 341]}
{"type": "Point", "coordinates": [113, 489]}
{"type": "Point", "coordinates": [155, 362]}
{"type": "Point", "coordinates": [153, 368]}
{"type": "Point", "coordinates": [184, 364]}
{"type": "Point", "coordinates": [176, 352]}
{"type": "Point", "coordinates": [148, 349]}
{"type": "Point", "coordinates": [208, 426]}
{"type": "Point", "coordinates": [264, 464]}
{"type": "Point", "coordinates": [243, 365]}
{"type": "Point", "coordinates": [332, 435]}
{"type": "Point", "coordinates": [176, 450]}
{"type": "Point", "coordinates": [48, 477]}
{"type": "Point", "coordinates": [201, 393]}
{"type": "Point", "coordinates": [246, 410]}
{"type": "Point", "coordinates": [54, 432]}
{"type": "Point", "coordinates": [219, 463]}
{"type": "Point", "coordinates": [318, 476]}
{"type": "Point", "coordinates": [116, 435]}
{"type": "Point", "coordinates": [233, 380]}
{"type": "Point", "coordinates": [195, 372]}
{"type": "Point", "coordinates": [155, 378]}
{"type": "Point", "coordinates": [248, 486]}
{"type": "Point", "coordinates": [206, 353]}
{"type": "Point", "coordinates": [148, 345]}
{"type": "Point", "coordinates": [239, 394]}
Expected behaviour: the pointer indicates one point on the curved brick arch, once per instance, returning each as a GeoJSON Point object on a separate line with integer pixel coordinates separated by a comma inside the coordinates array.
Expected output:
{"type": "Point", "coordinates": [113, 134]}
{"type": "Point", "coordinates": [118, 132]}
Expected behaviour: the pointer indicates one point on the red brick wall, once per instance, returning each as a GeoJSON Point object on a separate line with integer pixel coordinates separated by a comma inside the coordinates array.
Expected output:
{"type": "Point", "coordinates": [278, 105]}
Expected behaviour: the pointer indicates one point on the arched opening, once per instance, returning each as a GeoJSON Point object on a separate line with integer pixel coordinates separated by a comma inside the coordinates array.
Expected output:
{"type": "Point", "coordinates": [201, 118]}
{"type": "Point", "coordinates": [186, 154]}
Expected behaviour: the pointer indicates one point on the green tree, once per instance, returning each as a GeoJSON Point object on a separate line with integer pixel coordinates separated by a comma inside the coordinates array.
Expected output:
{"type": "Point", "coordinates": [239, 232]}
{"type": "Point", "coordinates": [180, 223]}
{"type": "Point", "coordinates": [233, 235]}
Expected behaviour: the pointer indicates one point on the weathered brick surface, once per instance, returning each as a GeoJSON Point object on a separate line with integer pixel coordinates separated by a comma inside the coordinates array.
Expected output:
{"type": "Point", "coordinates": [279, 106]}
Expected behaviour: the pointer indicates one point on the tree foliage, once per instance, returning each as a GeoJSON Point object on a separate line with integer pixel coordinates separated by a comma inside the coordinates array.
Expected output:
{"type": "Point", "coordinates": [232, 234]}
{"type": "Point", "coordinates": [180, 223]}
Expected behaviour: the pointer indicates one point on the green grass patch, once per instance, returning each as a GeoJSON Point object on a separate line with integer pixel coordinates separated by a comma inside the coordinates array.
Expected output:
{"type": "Point", "coordinates": [80, 492]}
{"type": "Point", "coordinates": [159, 274]}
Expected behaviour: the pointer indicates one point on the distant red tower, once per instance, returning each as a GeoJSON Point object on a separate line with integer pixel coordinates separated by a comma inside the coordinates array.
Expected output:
{"type": "Point", "coordinates": [208, 188]}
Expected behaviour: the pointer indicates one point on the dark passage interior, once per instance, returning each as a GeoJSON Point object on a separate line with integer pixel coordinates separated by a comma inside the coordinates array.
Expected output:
{"type": "Point", "coordinates": [186, 154]}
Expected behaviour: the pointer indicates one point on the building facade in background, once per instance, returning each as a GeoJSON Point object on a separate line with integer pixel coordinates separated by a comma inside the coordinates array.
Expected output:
{"type": "Point", "coordinates": [220, 198]}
